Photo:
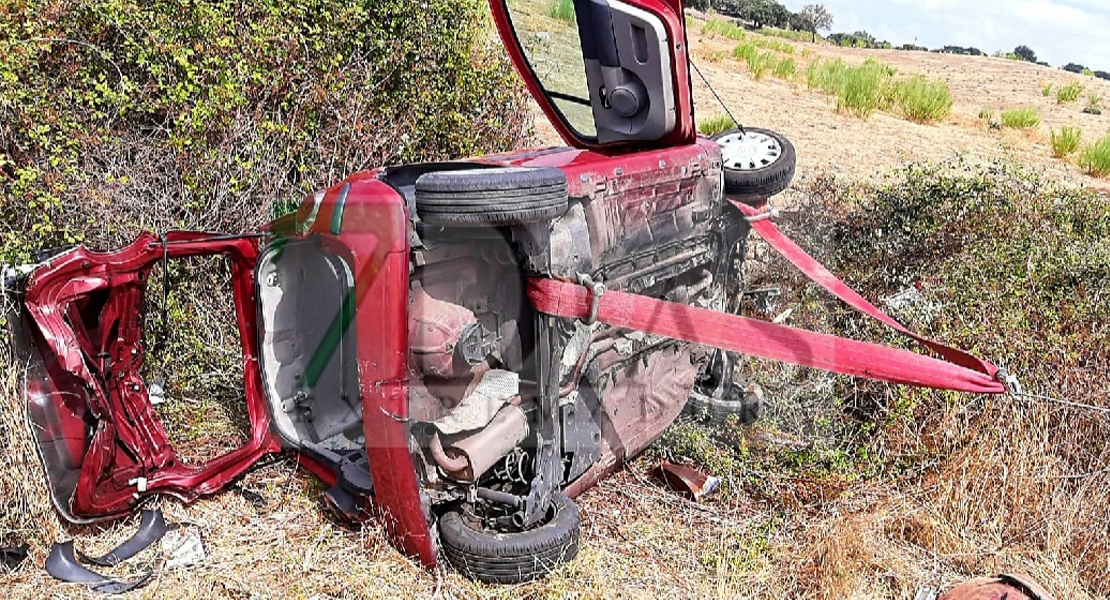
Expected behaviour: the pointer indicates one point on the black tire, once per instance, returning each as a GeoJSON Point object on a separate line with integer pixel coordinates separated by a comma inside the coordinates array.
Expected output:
{"type": "Point", "coordinates": [493, 196]}
{"type": "Point", "coordinates": [756, 183]}
{"type": "Point", "coordinates": [746, 405]}
{"type": "Point", "coordinates": [494, 557]}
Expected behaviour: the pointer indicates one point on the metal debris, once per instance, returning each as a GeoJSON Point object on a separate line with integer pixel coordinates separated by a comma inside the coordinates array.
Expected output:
{"type": "Point", "coordinates": [690, 482]}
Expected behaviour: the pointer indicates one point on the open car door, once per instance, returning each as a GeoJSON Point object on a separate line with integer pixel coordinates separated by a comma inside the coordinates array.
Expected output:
{"type": "Point", "coordinates": [78, 330]}
{"type": "Point", "coordinates": [614, 72]}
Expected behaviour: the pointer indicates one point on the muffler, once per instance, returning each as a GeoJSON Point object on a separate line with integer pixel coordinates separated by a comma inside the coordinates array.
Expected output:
{"type": "Point", "coordinates": [468, 458]}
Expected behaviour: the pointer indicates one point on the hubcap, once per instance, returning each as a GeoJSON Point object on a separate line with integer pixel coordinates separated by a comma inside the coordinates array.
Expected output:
{"type": "Point", "coordinates": [749, 151]}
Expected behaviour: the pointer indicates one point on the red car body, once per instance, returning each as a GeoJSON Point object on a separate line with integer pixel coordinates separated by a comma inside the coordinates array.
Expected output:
{"type": "Point", "coordinates": [101, 442]}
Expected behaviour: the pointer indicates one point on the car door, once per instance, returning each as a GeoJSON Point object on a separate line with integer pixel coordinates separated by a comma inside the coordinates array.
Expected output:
{"type": "Point", "coordinates": [605, 72]}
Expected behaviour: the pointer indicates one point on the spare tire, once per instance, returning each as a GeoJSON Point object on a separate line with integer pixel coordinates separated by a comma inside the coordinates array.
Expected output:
{"type": "Point", "coordinates": [757, 163]}
{"type": "Point", "coordinates": [745, 403]}
{"type": "Point", "coordinates": [493, 196]}
{"type": "Point", "coordinates": [495, 557]}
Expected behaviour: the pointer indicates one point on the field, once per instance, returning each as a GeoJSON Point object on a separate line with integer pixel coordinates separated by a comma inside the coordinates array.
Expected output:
{"type": "Point", "coordinates": [845, 489]}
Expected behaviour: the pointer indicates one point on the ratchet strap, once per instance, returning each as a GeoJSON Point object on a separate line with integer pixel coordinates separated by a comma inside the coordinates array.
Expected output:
{"type": "Point", "coordinates": [953, 370]}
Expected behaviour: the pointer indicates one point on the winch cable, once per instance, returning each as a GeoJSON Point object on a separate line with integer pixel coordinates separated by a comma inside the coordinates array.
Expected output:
{"type": "Point", "coordinates": [715, 94]}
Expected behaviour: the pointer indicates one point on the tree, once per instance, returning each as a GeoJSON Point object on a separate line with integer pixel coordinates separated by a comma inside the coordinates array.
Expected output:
{"type": "Point", "coordinates": [1025, 53]}
{"type": "Point", "coordinates": [817, 18]}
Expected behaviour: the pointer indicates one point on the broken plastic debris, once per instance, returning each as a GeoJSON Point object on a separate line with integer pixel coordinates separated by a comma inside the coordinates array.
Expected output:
{"type": "Point", "coordinates": [156, 391]}
{"type": "Point", "coordinates": [183, 547]}
{"type": "Point", "coordinates": [692, 483]}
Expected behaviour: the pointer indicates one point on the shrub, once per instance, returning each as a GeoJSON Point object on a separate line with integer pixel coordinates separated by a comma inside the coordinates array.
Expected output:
{"type": "Point", "coordinates": [715, 125]}
{"type": "Point", "coordinates": [1021, 118]}
{"type": "Point", "coordinates": [759, 64]}
{"type": "Point", "coordinates": [1093, 99]}
{"type": "Point", "coordinates": [864, 89]}
{"type": "Point", "coordinates": [1068, 93]}
{"type": "Point", "coordinates": [922, 100]}
{"type": "Point", "coordinates": [789, 34]}
{"type": "Point", "coordinates": [785, 68]}
{"type": "Point", "coordinates": [235, 106]}
{"type": "Point", "coordinates": [562, 10]}
{"type": "Point", "coordinates": [776, 45]}
{"type": "Point", "coordinates": [724, 28]}
{"type": "Point", "coordinates": [745, 52]}
{"type": "Point", "coordinates": [1046, 90]}
{"type": "Point", "coordinates": [1066, 141]}
{"type": "Point", "coordinates": [986, 114]}
{"type": "Point", "coordinates": [1095, 159]}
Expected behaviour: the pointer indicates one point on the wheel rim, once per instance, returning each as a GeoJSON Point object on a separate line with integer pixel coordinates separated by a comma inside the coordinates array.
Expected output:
{"type": "Point", "coordinates": [749, 151]}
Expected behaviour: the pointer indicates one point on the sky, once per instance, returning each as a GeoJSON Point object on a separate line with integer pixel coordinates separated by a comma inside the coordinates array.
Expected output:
{"type": "Point", "coordinates": [1059, 31]}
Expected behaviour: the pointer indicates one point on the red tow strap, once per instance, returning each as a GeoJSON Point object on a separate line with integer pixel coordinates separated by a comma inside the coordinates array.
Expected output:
{"type": "Point", "coordinates": [957, 371]}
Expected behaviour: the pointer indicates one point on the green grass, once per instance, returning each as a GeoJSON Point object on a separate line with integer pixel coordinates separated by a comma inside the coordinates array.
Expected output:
{"type": "Point", "coordinates": [1095, 159]}
{"type": "Point", "coordinates": [1021, 118]}
{"type": "Point", "coordinates": [776, 45]}
{"type": "Point", "coordinates": [562, 10]}
{"type": "Point", "coordinates": [789, 34]}
{"type": "Point", "coordinates": [1066, 141]}
{"type": "Point", "coordinates": [715, 125]}
{"type": "Point", "coordinates": [1093, 99]}
{"type": "Point", "coordinates": [785, 68]}
{"type": "Point", "coordinates": [724, 29]}
{"type": "Point", "coordinates": [760, 64]}
{"type": "Point", "coordinates": [986, 114]}
{"type": "Point", "coordinates": [921, 100]}
{"type": "Point", "coordinates": [745, 51]}
{"type": "Point", "coordinates": [1068, 93]}
{"type": "Point", "coordinates": [859, 90]}
{"type": "Point", "coordinates": [1046, 90]}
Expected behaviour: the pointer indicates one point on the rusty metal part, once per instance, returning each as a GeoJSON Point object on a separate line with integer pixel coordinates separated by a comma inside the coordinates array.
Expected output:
{"type": "Point", "coordinates": [607, 345]}
{"type": "Point", "coordinates": [1002, 587]}
{"type": "Point", "coordinates": [692, 483]}
{"type": "Point", "coordinates": [435, 328]}
{"type": "Point", "coordinates": [482, 449]}
{"type": "Point", "coordinates": [449, 464]}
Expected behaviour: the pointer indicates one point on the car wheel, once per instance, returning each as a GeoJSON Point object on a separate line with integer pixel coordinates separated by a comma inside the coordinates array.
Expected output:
{"type": "Point", "coordinates": [758, 163]}
{"type": "Point", "coordinates": [494, 196]}
{"type": "Point", "coordinates": [495, 557]}
{"type": "Point", "coordinates": [745, 403]}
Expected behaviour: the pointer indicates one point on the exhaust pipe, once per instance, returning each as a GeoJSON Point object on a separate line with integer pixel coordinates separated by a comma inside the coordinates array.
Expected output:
{"type": "Point", "coordinates": [469, 458]}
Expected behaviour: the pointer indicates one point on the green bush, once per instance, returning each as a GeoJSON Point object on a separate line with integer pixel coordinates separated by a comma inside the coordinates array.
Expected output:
{"type": "Point", "coordinates": [759, 64]}
{"type": "Point", "coordinates": [1095, 159]}
{"type": "Point", "coordinates": [1068, 93]}
{"type": "Point", "coordinates": [201, 113]}
{"type": "Point", "coordinates": [562, 10]}
{"type": "Point", "coordinates": [986, 114]}
{"type": "Point", "coordinates": [789, 34]}
{"type": "Point", "coordinates": [715, 125]}
{"type": "Point", "coordinates": [1021, 118]}
{"type": "Point", "coordinates": [785, 68]}
{"type": "Point", "coordinates": [1066, 141]}
{"type": "Point", "coordinates": [776, 45]}
{"type": "Point", "coordinates": [745, 51]}
{"type": "Point", "coordinates": [922, 100]}
{"type": "Point", "coordinates": [1046, 90]}
{"type": "Point", "coordinates": [724, 28]}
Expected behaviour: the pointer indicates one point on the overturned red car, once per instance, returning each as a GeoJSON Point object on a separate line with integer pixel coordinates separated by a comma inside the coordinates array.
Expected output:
{"type": "Point", "coordinates": [431, 339]}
